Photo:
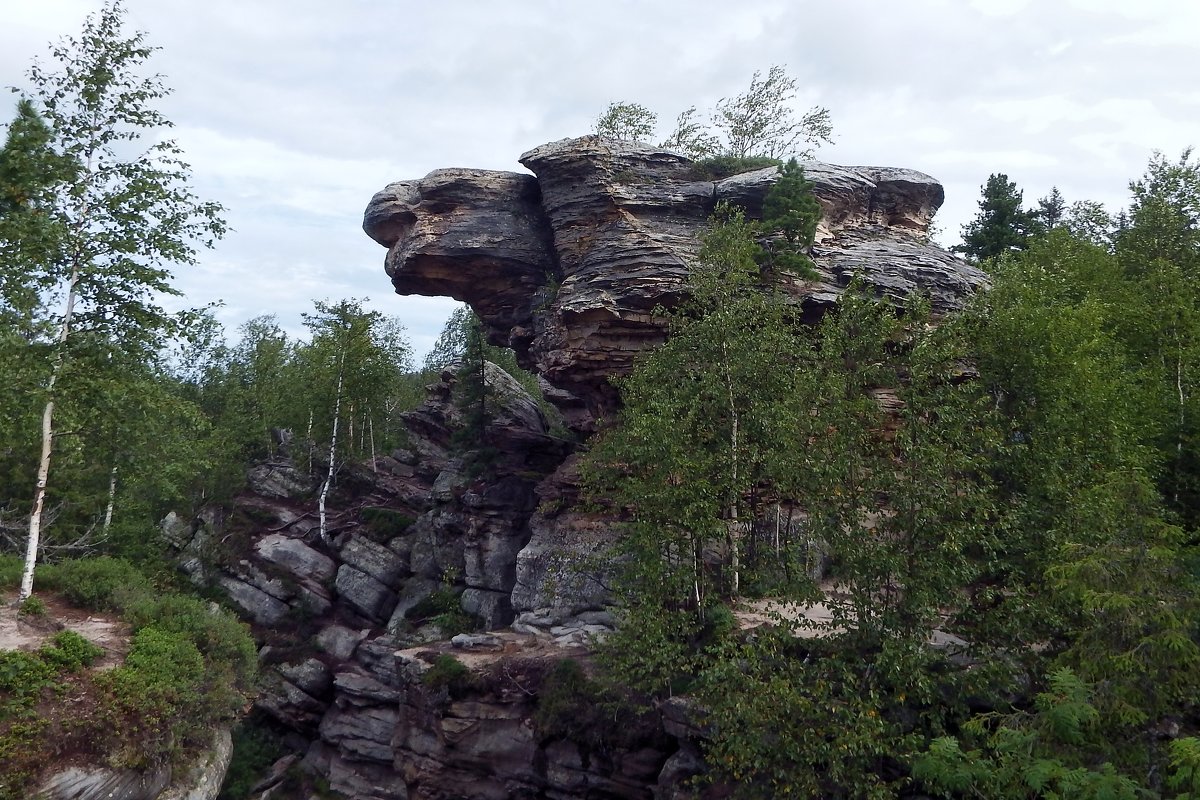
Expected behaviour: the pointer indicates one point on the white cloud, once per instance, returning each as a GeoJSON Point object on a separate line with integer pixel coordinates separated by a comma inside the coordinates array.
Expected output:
{"type": "Point", "coordinates": [294, 113]}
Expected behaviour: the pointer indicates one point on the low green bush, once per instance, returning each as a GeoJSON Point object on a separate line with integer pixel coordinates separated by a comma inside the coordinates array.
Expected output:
{"type": "Point", "coordinates": [441, 601]}
{"type": "Point", "coordinates": [449, 673]}
{"type": "Point", "coordinates": [217, 633]}
{"type": "Point", "coordinates": [70, 651]}
{"type": "Point", "coordinates": [718, 167]}
{"type": "Point", "coordinates": [10, 571]}
{"type": "Point", "coordinates": [385, 523]}
{"type": "Point", "coordinates": [255, 749]}
{"type": "Point", "coordinates": [189, 670]}
{"type": "Point", "coordinates": [23, 675]}
{"type": "Point", "coordinates": [97, 584]}
{"type": "Point", "coordinates": [568, 706]}
{"type": "Point", "coordinates": [32, 606]}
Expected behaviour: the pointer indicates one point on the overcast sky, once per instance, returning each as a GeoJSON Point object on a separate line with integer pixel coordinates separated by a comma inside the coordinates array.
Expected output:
{"type": "Point", "coordinates": [294, 113]}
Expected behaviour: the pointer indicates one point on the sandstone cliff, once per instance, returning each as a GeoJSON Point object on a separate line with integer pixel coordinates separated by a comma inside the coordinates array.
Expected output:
{"type": "Point", "coordinates": [568, 265]}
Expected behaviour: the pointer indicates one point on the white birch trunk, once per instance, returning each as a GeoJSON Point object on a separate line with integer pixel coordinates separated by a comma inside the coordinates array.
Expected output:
{"type": "Point", "coordinates": [112, 500]}
{"type": "Point", "coordinates": [337, 408]}
{"type": "Point", "coordinates": [371, 426]}
{"type": "Point", "coordinates": [43, 473]}
{"type": "Point", "coordinates": [308, 440]}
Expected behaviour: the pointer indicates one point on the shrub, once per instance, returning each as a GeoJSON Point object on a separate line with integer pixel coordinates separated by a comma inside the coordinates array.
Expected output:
{"type": "Point", "coordinates": [718, 167]}
{"type": "Point", "coordinates": [385, 523]}
{"type": "Point", "coordinates": [22, 675]}
{"type": "Point", "coordinates": [567, 706]}
{"type": "Point", "coordinates": [255, 749]}
{"type": "Point", "coordinates": [441, 601]}
{"type": "Point", "coordinates": [32, 606]}
{"type": "Point", "coordinates": [218, 634]}
{"type": "Point", "coordinates": [449, 673]}
{"type": "Point", "coordinates": [97, 584]}
{"type": "Point", "coordinates": [70, 651]}
{"type": "Point", "coordinates": [10, 571]}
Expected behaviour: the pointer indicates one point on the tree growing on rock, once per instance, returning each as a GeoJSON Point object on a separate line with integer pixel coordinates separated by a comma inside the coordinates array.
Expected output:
{"type": "Point", "coordinates": [760, 122]}
{"type": "Point", "coordinates": [630, 122]}
{"type": "Point", "coordinates": [119, 220]}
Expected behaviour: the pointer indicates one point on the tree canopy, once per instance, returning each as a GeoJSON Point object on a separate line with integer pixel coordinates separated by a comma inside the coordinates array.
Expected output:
{"type": "Point", "coordinates": [760, 122]}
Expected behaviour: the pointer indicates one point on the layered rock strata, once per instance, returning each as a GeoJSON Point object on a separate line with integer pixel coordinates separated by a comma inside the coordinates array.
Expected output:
{"type": "Point", "coordinates": [569, 265]}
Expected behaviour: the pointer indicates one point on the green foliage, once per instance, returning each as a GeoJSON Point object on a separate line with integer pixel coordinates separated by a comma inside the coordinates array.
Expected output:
{"type": "Point", "coordinates": [1035, 757]}
{"type": "Point", "coordinates": [10, 571]}
{"type": "Point", "coordinates": [443, 608]}
{"type": "Point", "coordinates": [255, 749]}
{"type": "Point", "coordinates": [94, 219]}
{"type": "Point", "coordinates": [221, 636]}
{"type": "Point", "coordinates": [386, 523]}
{"type": "Point", "coordinates": [629, 122]}
{"type": "Point", "coordinates": [571, 706]}
{"type": "Point", "coordinates": [70, 652]}
{"type": "Point", "coordinates": [785, 726]}
{"type": "Point", "coordinates": [1184, 777]}
{"type": "Point", "coordinates": [32, 607]}
{"type": "Point", "coordinates": [715, 168]}
{"type": "Point", "coordinates": [97, 584]}
{"type": "Point", "coordinates": [759, 123]}
{"type": "Point", "coordinates": [448, 673]}
{"type": "Point", "coordinates": [1002, 226]}
{"type": "Point", "coordinates": [790, 212]}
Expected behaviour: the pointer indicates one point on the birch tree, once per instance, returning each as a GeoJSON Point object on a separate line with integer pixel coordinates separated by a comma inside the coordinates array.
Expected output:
{"type": "Point", "coordinates": [124, 212]}
{"type": "Point", "coordinates": [354, 363]}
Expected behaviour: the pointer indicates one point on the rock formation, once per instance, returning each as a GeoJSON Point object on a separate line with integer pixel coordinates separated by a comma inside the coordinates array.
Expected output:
{"type": "Point", "coordinates": [570, 267]}
{"type": "Point", "coordinates": [567, 266]}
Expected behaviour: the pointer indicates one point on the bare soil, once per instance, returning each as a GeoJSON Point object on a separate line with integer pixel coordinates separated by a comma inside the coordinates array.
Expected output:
{"type": "Point", "coordinates": [29, 632]}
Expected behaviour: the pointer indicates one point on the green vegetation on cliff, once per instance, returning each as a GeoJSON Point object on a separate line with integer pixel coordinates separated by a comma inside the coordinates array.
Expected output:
{"type": "Point", "coordinates": [1005, 498]}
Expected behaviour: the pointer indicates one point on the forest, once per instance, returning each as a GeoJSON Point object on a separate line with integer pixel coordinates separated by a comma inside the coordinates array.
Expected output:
{"type": "Point", "coordinates": [998, 508]}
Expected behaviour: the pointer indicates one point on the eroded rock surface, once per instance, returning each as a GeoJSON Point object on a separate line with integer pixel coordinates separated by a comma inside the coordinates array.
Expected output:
{"type": "Point", "coordinates": [568, 266]}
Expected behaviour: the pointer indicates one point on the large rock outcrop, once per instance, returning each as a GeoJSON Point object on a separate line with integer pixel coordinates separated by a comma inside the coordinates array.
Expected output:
{"type": "Point", "coordinates": [569, 265]}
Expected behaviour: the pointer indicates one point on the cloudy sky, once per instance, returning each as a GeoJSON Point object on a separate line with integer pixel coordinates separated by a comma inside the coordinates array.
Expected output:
{"type": "Point", "coordinates": [294, 113]}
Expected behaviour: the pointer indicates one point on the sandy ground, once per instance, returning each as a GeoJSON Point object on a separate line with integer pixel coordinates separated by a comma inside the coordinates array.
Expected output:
{"type": "Point", "coordinates": [25, 632]}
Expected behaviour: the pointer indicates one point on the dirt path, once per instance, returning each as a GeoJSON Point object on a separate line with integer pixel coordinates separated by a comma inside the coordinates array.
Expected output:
{"type": "Point", "coordinates": [26, 632]}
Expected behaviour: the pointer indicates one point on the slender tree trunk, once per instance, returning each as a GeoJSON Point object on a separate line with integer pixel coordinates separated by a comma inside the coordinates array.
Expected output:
{"type": "Point", "coordinates": [734, 533]}
{"type": "Point", "coordinates": [1182, 407]}
{"type": "Point", "coordinates": [43, 474]}
{"type": "Point", "coordinates": [337, 408]}
{"type": "Point", "coordinates": [112, 500]}
{"type": "Point", "coordinates": [371, 426]}
{"type": "Point", "coordinates": [308, 440]}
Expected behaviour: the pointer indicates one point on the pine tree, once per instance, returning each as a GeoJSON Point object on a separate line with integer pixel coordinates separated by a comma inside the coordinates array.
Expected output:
{"type": "Point", "coordinates": [30, 233]}
{"type": "Point", "coordinates": [1001, 226]}
{"type": "Point", "coordinates": [791, 213]}
{"type": "Point", "coordinates": [1051, 211]}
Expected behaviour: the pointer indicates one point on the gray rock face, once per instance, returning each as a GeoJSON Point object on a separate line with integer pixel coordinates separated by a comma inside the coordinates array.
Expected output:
{"type": "Point", "coordinates": [475, 235]}
{"type": "Point", "coordinates": [607, 232]}
{"type": "Point", "coordinates": [199, 780]}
